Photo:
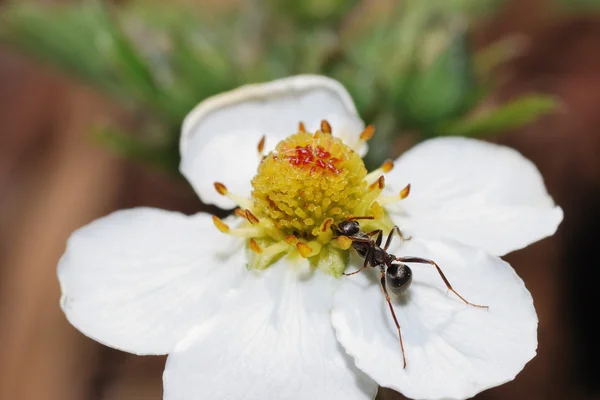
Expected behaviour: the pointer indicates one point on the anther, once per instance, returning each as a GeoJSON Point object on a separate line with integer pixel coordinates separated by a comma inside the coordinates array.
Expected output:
{"type": "Point", "coordinates": [222, 226]}
{"type": "Point", "coordinates": [345, 242]}
{"type": "Point", "coordinates": [376, 210]}
{"type": "Point", "coordinates": [240, 201]}
{"type": "Point", "coordinates": [255, 247]}
{"type": "Point", "coordinates": [386, 167]}
{"type": "Point", "coordinates": [378, 184]}
{"type": "Point", "coordinates": [326, 224]}
{"type": "Point", "coordinates": [303, 249]}
{"type": "Point", "coordinates": [240, 213]}
{"type": "Point", "coordinates": [220, 188]}
{"type": "Point", "coordinates": [261, 145]}
{"type": "Point", "coordinates": [367, 133]}
{"type": "Point", "coordinates": [308, 249]}
{"type": "Point", "coordinates": [301, 127]}
{"type": "Point", "coordinates": [405, 192]}
{"type": "Point", "coordinates": [251, 217]}
{"type": "Point", "coordinates": [241, 232]}
{"type": "Point", "coordinates": [325, 127]}
{"type": "Point", "coordinates": [291, 240]}
{"type": "Point", "coordinates": [385, 200]}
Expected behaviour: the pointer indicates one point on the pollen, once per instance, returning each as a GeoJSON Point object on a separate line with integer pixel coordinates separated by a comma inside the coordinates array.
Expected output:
{"type": "Point", "coordinates": [307, 180]}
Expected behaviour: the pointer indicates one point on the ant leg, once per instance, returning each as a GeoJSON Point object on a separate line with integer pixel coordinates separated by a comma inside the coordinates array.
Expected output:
{"type": "Point", "coordinates": [379, 233]}
{"type": "Point", "coordinates": [375, 232]}
{"type": "Point", "coordinates": [365, 265]}
{"type": "Point", "coordinates": [391, 235]}
{"type": "Point", "coordinates": [439, 270]}
{"type": "Point", "coordinates": [387, 298]}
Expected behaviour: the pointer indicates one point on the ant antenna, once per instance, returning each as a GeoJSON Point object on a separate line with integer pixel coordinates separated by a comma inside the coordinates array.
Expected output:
{"type": "Point", "coordinates": [364, 217]}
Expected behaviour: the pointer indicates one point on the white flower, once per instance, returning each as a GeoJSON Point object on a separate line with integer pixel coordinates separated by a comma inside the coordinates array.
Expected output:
{"type": "Point", "coordinates": [149, 281]}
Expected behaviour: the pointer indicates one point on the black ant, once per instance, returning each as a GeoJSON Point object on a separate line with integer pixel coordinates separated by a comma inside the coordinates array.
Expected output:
{"type": "Point", "coordinates": [395, 276]}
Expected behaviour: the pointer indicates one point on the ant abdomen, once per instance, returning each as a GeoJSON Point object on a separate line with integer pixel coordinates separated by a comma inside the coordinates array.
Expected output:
{"type": "Point", "coordinates": [398, 278]}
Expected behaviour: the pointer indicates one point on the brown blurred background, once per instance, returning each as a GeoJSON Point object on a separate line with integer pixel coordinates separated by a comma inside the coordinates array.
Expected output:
{"type": "Point", "coordinates": [54, 179]}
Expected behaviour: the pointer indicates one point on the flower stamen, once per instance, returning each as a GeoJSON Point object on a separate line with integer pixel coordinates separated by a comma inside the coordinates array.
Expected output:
{"type": "Point", "coordinates": [261, 146]}
{"type": "Point", "coordinates": [239, 200]}
{"type": "Point", "coordinates": [379, 184]}
{"type": "Point", "coordinates": [275, 249]}
{"type": "Point", "coordinates": [385, 200]}
{"type": "Point", "coordinates": [405, 192]}
{"type": "Point", "coordinates": [325, 127]}
{"type": "Point", "coordinates": [364, 137]}
{"type": "Point", "coordinates": [255, 247]}
{"type": "Point", "coordinates": [386, 167]}
{"type": "Point", "coordinates": [240, 232]}
{"type": "Point", "coordinates": [251, 218]}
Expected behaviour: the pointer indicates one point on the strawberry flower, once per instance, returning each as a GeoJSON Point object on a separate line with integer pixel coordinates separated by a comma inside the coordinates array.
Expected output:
{"type": "Point", "coordinates": [257, 305]}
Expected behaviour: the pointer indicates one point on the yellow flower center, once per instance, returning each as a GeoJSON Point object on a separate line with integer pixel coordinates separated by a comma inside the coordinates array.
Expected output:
{"type": "Point", "coordinates": [307, 180]}
{"type": "Point", "coordinates": [301, 192]}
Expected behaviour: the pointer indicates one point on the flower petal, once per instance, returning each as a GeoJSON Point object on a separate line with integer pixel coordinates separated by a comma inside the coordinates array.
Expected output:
{"type": "Point", "coordinates": [273, 339]}
{"type": "Point", "coordinates": [273, 109]}
{"type": "Point", "coordinates": [481, 194]}
{"type": "Point", "coordinates": [453, 350]}
{"type": "Point", "coordinates": [230, 158]}
{"type": "Point", "coordinates": [139, 279]}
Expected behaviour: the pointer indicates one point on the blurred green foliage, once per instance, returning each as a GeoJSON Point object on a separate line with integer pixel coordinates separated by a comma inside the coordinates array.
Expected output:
{"type": "Point", "coordinates": [407, 64]}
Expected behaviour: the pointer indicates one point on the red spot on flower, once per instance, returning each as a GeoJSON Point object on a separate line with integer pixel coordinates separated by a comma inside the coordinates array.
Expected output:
{"type": "Point", "coordinates": [306, 156]}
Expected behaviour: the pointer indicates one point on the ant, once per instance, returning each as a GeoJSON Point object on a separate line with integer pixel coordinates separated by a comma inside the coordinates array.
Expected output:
{"type": "Point", "coordinates": [395, 276]}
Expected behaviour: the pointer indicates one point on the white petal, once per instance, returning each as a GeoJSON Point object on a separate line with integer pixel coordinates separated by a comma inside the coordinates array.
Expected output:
{"type": "Point", "coordinates": [272, 339]}
{"type": "Point", "coordinates": [139, 279]}
{"type": "Point", "coordinates": [481, 194]}
{"type": "Point", "coordinates": [230, 158]}
{"type": "Point", "coordinates": [453, 350]}
{"type": "Point", "coordinates": [273, 109]}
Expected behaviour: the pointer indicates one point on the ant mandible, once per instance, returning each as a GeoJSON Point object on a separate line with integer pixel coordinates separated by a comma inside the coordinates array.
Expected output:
{"type": "Point", "coordinates": [395, 276]}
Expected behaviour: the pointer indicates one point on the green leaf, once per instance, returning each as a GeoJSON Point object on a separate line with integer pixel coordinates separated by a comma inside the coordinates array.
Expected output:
{"type": "Point", "coordinates": [511, 115]}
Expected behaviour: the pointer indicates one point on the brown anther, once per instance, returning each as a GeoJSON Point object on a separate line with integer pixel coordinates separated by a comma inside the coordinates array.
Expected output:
{"type": "Point", "coordinates": [326, 224]}
{"type": "Point", "coordinates": [387, 166]}
{"type": "Point", "coordinates": [222, 189]}
{"type": "Point", "coordinates": [304, 250]}
{"type": "Point", "coordinates": [378, 184]}
{"type": "Point", "coordinates": [325, 127]}
{"type": "Point", "coordinates": [255, 247]}
{"type": "Point", "coordinates": [405, 192]}
{"type": "Point", "coordinates": [240, 213]}
{"type": "Point", "coordinates": [291, 239]}
{"type": "Point", "coordinates": [251, 217]}
{"type": "Point", "coordinates": [222, 226]}
{"type": "Point", "coordinates": [301, 127]}
{"type": "Point", "coordinates": [345, 242]}
{"type": "Point", "coordinates": [367, 133]}
{"type": "Point", "coordinates": [261, 145]}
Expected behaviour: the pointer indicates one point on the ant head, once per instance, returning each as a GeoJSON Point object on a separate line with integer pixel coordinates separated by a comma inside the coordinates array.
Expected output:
{"type": "Point", "coordinates": [349, 227]}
